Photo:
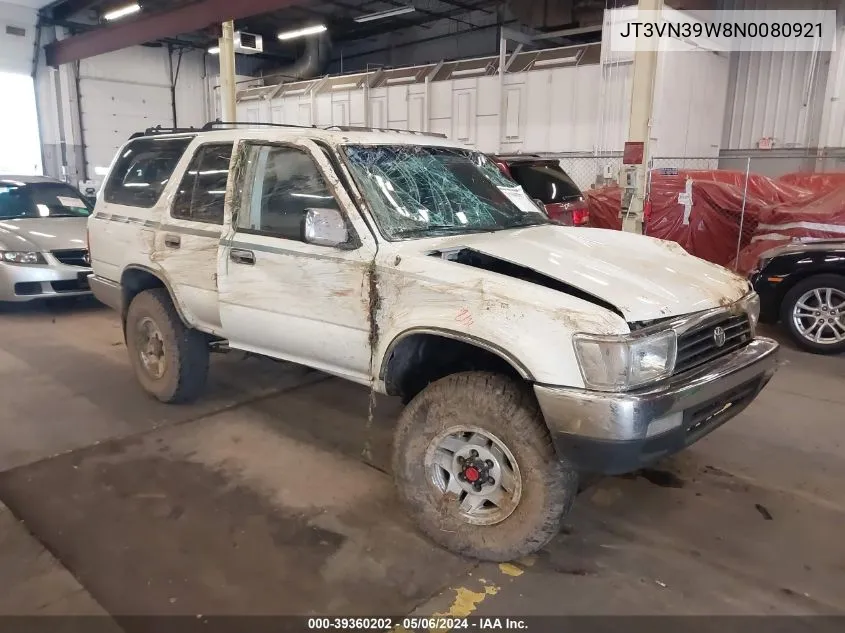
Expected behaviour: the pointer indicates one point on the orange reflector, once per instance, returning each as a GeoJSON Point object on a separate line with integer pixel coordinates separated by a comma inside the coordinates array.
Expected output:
{"type": "Point", "coordinates": [775, 280]}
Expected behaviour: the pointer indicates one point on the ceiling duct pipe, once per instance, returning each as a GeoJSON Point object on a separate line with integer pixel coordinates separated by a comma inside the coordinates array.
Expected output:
{"type": "Point", "coordinates": [310, 64]}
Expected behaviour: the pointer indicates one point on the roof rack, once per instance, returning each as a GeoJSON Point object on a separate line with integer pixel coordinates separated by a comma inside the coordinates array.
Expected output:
{"type": "Point", "coordinates": [214, 125]}
{"type": "Point", "coordinates": [354, 128]}
{"type": "Point", "coordinates": [158, 129]}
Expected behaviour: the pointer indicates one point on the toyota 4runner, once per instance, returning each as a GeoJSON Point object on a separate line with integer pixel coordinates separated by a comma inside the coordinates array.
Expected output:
{"type": "Point", "coordinates": [527, 353]}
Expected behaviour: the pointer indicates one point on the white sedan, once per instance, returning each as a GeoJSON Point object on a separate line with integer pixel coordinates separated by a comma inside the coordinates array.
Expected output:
{"type": "Point", "coordinates": [43, 246]}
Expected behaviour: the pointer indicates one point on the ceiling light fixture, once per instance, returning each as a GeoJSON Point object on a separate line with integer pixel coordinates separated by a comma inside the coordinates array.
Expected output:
{"type": "Point", "coordinates": [558, 61]}
{"type": "Point", "coordinates": [389, 13]}
{"type": "Point", "coordinates": [122, 12]}
{"type": "Point", "coordinates": [469, 71]}
{"type": "Point", "coordinates": [401, 80]}
{"type": "Point", "coordinates": [214, 50]}
{"type": "Point", "coordinates": [308, 30]}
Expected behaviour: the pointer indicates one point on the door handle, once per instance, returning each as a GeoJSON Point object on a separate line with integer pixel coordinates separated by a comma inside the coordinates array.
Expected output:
{"type": "Point", "coordinates": [240, 256]}
{"type": "Point", "coordinates": [172, 241]}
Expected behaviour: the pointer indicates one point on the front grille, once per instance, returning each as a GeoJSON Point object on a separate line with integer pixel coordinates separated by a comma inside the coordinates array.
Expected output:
{"type": "Point", "coordinates": [24, 288]}
{"type": "Point", "coordinates": [699, 346]}
{"type": "Point", "coordinates": [73, 257]}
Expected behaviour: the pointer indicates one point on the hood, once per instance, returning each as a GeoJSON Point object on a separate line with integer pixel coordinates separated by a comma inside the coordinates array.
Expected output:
{"type": "Point", "coordinates": [643, 277]}
{"type": "Point", "coordinates": [42, 234]}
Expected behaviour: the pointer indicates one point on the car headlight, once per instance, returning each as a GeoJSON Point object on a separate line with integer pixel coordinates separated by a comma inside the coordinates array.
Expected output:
{"type": "Point", "coordinates": [751, 305]}
{"type": "Point", "coordinates": [22, 257]}
{"type": "Point", "coordinates": [620, 363]}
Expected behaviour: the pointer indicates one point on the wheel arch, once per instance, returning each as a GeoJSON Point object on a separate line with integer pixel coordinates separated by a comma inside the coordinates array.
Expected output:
{"type": "Point", "coordinates": [796, 278]}
{"type": "Point", "coordinates": [135, 279]}
{"type": "Point", "coordinates": [411, 360]}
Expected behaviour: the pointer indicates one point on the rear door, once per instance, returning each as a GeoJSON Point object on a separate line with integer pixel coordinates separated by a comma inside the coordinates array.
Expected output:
{"type": "Point", "coordinates": [129, 209]}
{"type": "Point", "coordinates": [188, 238]}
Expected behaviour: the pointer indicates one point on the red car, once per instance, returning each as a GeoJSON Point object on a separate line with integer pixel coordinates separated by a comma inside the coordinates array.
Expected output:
{"type": "Point", "coordinates": [543, 179]}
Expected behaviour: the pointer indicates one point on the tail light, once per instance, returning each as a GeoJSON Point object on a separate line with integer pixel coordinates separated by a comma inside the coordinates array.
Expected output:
{"type": "Point", "coordinates": [580, 213]}
{"type": "Point", "coordinates": [504, 169]}
{"type": "Point", "coordinates": [569, 213]}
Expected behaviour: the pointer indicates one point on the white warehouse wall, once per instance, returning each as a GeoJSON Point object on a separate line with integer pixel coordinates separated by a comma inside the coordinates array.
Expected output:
{"type": "Point", "coordinates": [16, 51]}
{"type": "Point", "coordinates": [832, 133]}
{"type": "Point", "coordinates": [120, 93]}
{"type": "Point", "coordinates": [130, 90]}
{"type": "Point", "coordinates": [544, 110]}
{"type": "Point", "coordinates": [776, 94]}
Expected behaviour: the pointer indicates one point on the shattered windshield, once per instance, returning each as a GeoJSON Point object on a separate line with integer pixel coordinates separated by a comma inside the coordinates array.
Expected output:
{"type": "Point", "coordinates": [420, 191]}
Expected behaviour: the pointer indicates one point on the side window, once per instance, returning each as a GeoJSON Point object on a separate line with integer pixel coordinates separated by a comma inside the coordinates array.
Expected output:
{"type": "Point", "coordinates": [202, 192]}
{"type": "Point", "coordinates": [286, 183]}
{"type": "Point", "coordinates": [143, 169]}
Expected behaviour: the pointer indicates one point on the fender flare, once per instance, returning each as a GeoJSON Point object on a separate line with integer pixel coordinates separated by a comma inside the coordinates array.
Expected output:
{"type": "Point", "coordinates": [475, 341]}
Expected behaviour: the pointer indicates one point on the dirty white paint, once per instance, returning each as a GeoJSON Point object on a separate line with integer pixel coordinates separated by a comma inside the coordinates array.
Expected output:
{"type": "Point", "coordinates": [339, 309]}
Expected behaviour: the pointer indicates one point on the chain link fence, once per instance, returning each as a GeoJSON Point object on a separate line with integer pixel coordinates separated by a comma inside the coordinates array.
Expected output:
{"type": "Point", "coordinates": [770, 163]}
{"type": "Point", "coordinates": [589, 171]}
{"type": "Point", "coordinates": [750, 174]}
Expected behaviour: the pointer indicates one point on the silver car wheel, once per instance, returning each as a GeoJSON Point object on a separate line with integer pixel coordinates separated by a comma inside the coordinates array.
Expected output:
{"type": "Point", "coordinates": [477, 472]}
{"type": "Point", "coordinates": [151, 348]}
{"type": "Point", "coordinates": [819, 316]}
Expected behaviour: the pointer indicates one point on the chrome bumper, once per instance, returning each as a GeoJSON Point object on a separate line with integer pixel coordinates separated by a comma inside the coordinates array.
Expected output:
{"type": "Point", "coordinates": [107, 291]}
{"type": "Point", "coordinates": [618, 432]}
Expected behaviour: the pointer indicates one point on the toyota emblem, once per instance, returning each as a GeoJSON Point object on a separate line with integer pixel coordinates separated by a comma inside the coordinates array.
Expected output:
{"type": "Point", "coordinates": [719, 336]}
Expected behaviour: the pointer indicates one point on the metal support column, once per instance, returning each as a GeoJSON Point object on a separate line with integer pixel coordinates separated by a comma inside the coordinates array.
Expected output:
{"type": "Point", "coordinates": [228, 101]}
{"type": "Point", "coordinates": [639, 126]}
{"type": "Point", "coordinates": [503, 60]}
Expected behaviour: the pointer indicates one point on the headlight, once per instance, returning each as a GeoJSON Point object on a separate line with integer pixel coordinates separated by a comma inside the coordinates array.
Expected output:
{"type": "Point", "coordinates": [751, 304]}
{"type": "Point", "coordinates": [619, 363]}
{"type": "Point", "coordinates": [22, 257]}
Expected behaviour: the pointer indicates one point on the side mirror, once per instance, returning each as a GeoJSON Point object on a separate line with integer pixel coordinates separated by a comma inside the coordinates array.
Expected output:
{"type": "Point", "coordinates": [324, 227]}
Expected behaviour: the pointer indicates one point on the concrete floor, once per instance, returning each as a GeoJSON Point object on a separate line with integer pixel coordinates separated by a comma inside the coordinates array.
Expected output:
{"type": "Point", "coordinates": [259, 499]}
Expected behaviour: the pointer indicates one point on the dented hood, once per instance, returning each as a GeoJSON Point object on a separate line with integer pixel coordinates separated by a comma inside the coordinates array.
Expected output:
{"type": "Point", "coordinates": [645, 278]}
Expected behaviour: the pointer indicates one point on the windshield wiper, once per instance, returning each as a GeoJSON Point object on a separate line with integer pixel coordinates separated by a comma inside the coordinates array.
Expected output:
{"type": "Point", "coordinates": [446, 230]}
{"type": "Point", "coordinates": [522, 225]}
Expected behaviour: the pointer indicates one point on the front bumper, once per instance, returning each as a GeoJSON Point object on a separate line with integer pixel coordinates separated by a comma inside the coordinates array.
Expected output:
{"type": "Point", "coordinates": [614, 433]}
{"type": "Point", "coordinates": [20, 283]}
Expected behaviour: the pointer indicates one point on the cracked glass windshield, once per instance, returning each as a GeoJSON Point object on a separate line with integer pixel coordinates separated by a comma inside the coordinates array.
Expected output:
{"type": "Point", "coordinates": [419, 191]}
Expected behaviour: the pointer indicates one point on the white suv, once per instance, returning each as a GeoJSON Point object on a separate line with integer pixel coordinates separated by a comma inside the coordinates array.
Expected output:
{"type": "Point", "coordinates": [527, 352]}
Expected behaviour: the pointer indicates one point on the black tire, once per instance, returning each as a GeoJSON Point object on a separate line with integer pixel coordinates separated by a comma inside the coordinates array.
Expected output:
{"type": "Point", "coordinates": [185, 350]}
{"type": "Point", "coordinates": [507, 409]}
{"type": "Point", "coordinates": [791, 299]}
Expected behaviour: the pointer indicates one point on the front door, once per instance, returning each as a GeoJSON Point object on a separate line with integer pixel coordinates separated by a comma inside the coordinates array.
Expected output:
{"type": "Point", "coordinates": [280, 296]}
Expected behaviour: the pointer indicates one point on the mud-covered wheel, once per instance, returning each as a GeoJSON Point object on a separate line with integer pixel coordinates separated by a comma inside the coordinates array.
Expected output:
{"type": "Point", "coordinates": [813, 312]}
{"type": "Point", "coordinates": [475, 465]}
{"type": "Point", "coordinates": [170, 360]}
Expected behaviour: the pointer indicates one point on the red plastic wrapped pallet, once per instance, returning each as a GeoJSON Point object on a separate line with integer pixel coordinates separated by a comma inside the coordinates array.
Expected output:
{"type": "Point", "coordinates": [817, 216]}
{"type": "Point", "coordinates": [817, 183]}
{"type": "Point", "coordinates": [712, 226]}
{"type": "Point", "coordinates": [809, 206]}
{"type": "Point", "coordinates": [604, 204]}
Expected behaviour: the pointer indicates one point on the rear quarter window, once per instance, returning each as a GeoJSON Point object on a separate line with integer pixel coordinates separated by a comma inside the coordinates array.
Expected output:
{"type": "Point", "coordinates": [143, 169]}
